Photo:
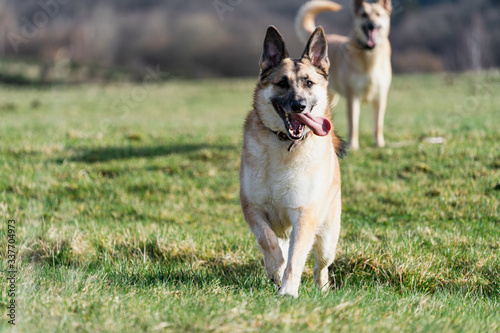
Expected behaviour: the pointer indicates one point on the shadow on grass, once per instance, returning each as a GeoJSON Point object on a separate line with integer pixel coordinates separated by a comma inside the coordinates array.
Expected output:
{"type": "Point", "coordinates": [213, 273]}
{"type": "Point", "coordinates": [216, 272]}
{"type": "Point", "coordinates": [103, 154]}
{"type": "Point", "coordinates": [164, 268]}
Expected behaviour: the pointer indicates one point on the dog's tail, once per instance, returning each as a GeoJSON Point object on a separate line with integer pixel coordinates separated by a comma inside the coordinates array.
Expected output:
{"type": "Point", "coordinates": [305, 20]}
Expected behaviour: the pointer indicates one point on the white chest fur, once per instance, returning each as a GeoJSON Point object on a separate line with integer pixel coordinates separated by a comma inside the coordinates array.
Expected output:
{"type": "Point", "coordinates": [277, 179]}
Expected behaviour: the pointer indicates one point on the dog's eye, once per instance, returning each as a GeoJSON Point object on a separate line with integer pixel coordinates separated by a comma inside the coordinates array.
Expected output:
{"type": "Point", "coordinates": [283, 84]}
{"type": "Point", "coordinates": [309, 83]}
{"type": "Point", "coordinates": [364, 15]}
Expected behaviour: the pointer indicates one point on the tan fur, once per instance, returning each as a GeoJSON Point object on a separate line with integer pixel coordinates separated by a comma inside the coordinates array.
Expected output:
{"type": "Point", "coordinates": [359, 74]}
{"type": "Point", "coordinates": [291, 200]}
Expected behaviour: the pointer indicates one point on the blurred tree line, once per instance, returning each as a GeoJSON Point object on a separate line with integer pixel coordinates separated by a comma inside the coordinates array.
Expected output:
{"type": "Point", "coordinates": [193, 38]}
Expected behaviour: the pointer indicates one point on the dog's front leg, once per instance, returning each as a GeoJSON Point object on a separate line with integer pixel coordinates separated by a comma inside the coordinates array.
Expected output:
{"type": "Point", "coordinates": [267, 240]}
{"type": "Point", "coordinates": [302, 239]}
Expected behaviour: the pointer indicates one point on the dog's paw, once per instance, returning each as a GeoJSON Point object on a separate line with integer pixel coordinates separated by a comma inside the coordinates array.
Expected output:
{"type": "Point", "coordinates": [321, 279]}
{"type": "Point", "coordinates": [288, 292]}
{"type": "Point", "coordinates": [276, 281]}
{"type": "Point", "coordinates": [276, 275]}
{"type": "Point", "coordinates": [379, 143]}
{"type": "Point", "coordinates": [275, 269]}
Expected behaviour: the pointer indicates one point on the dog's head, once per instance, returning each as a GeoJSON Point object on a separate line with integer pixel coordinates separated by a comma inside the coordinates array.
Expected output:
{"type": "Point", "coordinates": [291, 95]}
{"type": "Point", "coordinates": [372, 21]}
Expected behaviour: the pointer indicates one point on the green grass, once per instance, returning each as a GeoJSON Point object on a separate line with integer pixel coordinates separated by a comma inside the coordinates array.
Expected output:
{"type": "Point", "coordinates": [128, 218]}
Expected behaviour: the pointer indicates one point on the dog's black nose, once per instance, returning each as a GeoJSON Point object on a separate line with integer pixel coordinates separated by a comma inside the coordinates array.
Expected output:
{"type": "Point", "coordinates": [371, 26]}
{"type": "Point", "coordinates": [298, 106]}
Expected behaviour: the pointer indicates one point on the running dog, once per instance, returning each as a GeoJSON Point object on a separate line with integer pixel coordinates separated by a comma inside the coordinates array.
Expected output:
{"type": "Point", "coordinates": [290, 175]}
{"type": "Point", "coordinates": [361, 63]}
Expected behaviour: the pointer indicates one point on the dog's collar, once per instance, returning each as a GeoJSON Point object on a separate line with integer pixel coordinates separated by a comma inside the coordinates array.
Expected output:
{"type": "Point", "coordinates": [283, 137]}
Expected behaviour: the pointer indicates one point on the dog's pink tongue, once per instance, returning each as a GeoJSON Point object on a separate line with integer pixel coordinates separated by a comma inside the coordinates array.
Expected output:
{"type": "Point", "coordinates": [372, 34]}
{"type": "Point", "coordinates": [319, 125]}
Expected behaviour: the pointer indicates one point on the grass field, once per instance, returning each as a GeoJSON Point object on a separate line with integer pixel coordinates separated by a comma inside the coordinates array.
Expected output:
{"type": "Point", "coordinates": [128, 219]}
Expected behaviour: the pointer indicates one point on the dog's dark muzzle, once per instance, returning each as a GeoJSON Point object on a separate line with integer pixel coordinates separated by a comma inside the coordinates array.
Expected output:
{"type": "Point", "coordinates": [371, 26]}
{"type": "Point", "coordinates": [298, 105]}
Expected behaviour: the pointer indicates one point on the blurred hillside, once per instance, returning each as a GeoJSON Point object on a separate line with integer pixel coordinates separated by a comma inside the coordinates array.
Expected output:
{"type": "Point", "coordinates": [192, 38]}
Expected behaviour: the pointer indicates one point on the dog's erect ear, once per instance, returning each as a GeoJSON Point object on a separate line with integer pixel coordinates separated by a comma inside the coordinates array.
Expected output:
{"type": "Point", "coordinates": [357, 5]}
{"type": "Point", "coordinates": [317, 50]}
{"type": "Point", "coordinates": [274, 50]}
{"type": "Point", "coordinates": [387, 4]}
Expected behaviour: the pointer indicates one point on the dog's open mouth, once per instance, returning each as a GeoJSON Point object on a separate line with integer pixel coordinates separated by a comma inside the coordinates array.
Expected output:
{"type": "Point", "coordinates": [295, 124]}
{"type": "Point", "coordinates": [372, 35]}
{"type": "Point", "coordinates": [294, 127]}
